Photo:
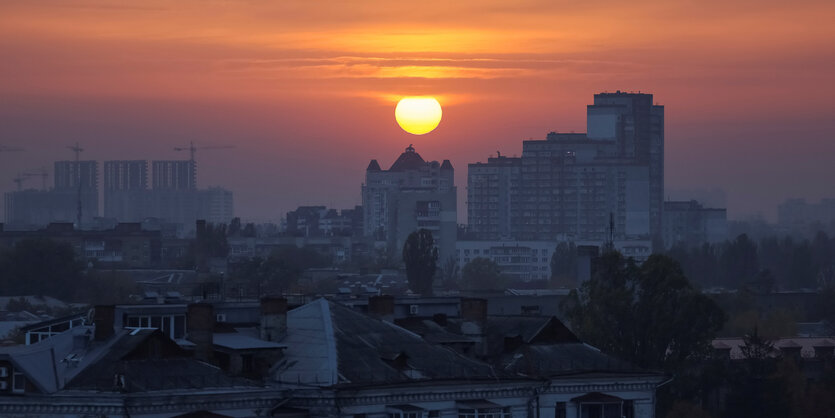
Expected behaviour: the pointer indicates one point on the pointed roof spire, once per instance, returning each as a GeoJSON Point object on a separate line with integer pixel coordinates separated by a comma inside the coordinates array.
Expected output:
{"type": "Point", "coordinates": [373, 166]}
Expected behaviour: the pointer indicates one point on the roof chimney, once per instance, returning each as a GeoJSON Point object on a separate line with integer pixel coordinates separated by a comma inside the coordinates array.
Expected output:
{"type": "Point", "coordinates": [381, 307]}
{"type": "Point", "coordinates": [200, 321]}
{"type": "Point", "coordinates": [273, 318]}
{"type": "Point", "coordinates": [474, 320]}
{"type": "Point", "coordinates": [103, 319]}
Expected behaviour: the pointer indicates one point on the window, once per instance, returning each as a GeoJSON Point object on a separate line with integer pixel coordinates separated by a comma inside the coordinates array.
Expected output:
{"type": "Point", "coordinates": [560, 410]}
{"type": "Point", "coordinates": [484, 413]}
{"type": "Point", "coordinates": [18, 382]}
{"type": "Point", "coordinates": [600, 410]}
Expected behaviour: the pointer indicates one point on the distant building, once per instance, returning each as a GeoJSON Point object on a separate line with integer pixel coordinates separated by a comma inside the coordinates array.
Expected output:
{"type": "Point", "coordinates": [174, 175]}
{"type": "Point", "coordinates": [520, 260]}
{"type": "Point", "coordinates": [126, 190]}
{"type": "Point", "coordinates": [215, 205]}
{"type": "Point", "coordinates": [531, 260]}
{"type": "Point", "coordinates": [315, 221]}
{"type": "Point", "coordinates": [491, 187]}
{"type": "Point", "coordinates": [691, 224]}
{"type": "Point", "coordinates": [602, 185]}
{"type": "Point", "coordinates": [73, 180]}
{"type": "Point", "coordinates": [798, 215]}
{"type": "Point", "coordinates": [412, 194]}
{"type": "Point", "coordinates": [127, 245]}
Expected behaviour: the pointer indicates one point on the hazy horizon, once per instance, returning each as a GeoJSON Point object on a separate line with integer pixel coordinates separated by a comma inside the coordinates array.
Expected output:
{"type": "Point", "coordinates": [307, 95]}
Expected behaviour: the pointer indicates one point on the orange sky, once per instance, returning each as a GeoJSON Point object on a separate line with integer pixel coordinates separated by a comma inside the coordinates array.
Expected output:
{"type": "Point", "coordinates": [306, 89]}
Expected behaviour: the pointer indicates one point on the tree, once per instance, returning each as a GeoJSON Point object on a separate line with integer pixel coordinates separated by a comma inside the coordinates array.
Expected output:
{"type": "Point", "coordinates": [564, 263]}
{"type": "Point", "coordinates": [648, 315]}
{"type": "Point", "coordinates": [450, 272]}
{"type": "Point", "coordinates": [482, 273]}
{"type": "Point", "coordinates": [420, 256]}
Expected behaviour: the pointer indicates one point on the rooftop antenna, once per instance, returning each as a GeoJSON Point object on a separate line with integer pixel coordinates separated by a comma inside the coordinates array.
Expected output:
{"type": "Point", "coordinates": [77, 149]}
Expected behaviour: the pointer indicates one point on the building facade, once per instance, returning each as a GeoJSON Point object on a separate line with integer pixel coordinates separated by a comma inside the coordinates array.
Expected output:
{"type": "Point", "coordinates": [174, 175]}
{"type": "Point", "coordinates": [692, 224]}
{"type": "Point", "coordinates": [412, 194]}
{"type": "Point", "coordinates": [606, 184]}
{"type": "Point", "coordinates": [126, 190]}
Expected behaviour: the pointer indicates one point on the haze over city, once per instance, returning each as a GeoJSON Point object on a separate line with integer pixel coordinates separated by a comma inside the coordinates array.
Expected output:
{"type": "Point", "coordinates": [307, 95]}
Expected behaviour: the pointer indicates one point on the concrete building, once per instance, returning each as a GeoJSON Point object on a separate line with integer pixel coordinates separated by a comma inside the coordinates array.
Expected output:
{"type": "Point", "coordinates": [215, 205]}
{"type": "Point", "coordinates": [637, 127]}
{"type": "Point", "coordinates": [520, 260]}
{"type": "Point", "coordinates": [798, 215]}
{"type": "Point", "coordinates": [127, 245]}
{"type": "Point", "coordinates": [531, 260]}
{"type": "Point", "coordinates": [174, 175]}
{"type": "Point", "coordinates": [491, 187]}
{"type": "Point", "coordinates": [412, 194]}
{"type": "Point", "coordinates": [126, 190]}
{"type": "Point", "coordinates": [691, 224]}
{"type": "Point", "coordinates": [74, 180]}
{"type": "Point", "coordinates": [603, 185]}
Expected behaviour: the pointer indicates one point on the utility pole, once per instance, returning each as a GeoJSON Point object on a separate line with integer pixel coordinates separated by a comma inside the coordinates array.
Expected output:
{"type": "Point", "coordinates": [77, 149]}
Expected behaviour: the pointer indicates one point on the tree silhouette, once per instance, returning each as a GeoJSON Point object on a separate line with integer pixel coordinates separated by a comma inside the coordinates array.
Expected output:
{"type": "Point", "coordinates": [420, 257]}
{"type": "Point", "coordinates": [482, 273]}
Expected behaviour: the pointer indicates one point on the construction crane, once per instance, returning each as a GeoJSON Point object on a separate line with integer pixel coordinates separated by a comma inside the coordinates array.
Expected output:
{"type": "Point", "coordinates": [4, 148]}
{"type": "Point", "coordinates": [193, 149]}
{"type": "Point", "coordinates": [40, 172]}
{"type": "Point", "coordinates": [21, 177]}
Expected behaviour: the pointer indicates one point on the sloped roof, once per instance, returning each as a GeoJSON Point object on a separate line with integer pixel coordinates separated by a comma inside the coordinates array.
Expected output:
{"type": "Point", "coordinates": [331, 344]}
{"type": "Point", "coordinates": [147, 374]}
{"type": "Point", "coordinates": [408, 160]}
{"type": "Point", "coordinates": [547, 360]}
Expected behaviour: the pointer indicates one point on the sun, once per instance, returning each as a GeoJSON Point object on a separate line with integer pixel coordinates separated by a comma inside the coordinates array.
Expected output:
{"type": "Point", "coordinates": [418, 115]}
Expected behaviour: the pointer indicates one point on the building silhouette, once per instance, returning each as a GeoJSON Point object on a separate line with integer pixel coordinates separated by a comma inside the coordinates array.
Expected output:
{"type": "Point", "coordinates": [174, 175]}
{"type": "Point", "coordinates": [412, 194]}
{"type": "Point", "coordinates": [126, 190]}
{"type": "Point", "coordinates": [603, 185]}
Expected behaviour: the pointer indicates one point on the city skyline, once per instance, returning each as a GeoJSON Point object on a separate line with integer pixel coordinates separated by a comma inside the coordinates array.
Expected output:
{"type": "Point", "coordinates": [748, 108]}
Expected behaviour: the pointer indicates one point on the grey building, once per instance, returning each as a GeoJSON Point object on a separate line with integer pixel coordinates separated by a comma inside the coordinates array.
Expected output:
{"type": "Point", "coordinates": [76, 181]}
{"type": "Point", "coordinates": [412, 194]}
{"type": "Point", "coordinates": [174, 175]}
{"type": "Point", "coordinates": [126, 190]}
{"type": "Point", "coordinates": [491, 186]}
{"type": "Point", "coordinates": [692, 224]}
{"type": "Point", "coordinates": [606, 184]}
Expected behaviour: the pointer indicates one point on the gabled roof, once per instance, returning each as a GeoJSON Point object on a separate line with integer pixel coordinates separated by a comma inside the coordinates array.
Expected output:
{"type": "Point", "coordinates": [408, 160]}
{"type": "Point", "coordinates": [331, 344]}
{"type": "Point", "coordinates": [149, 361]}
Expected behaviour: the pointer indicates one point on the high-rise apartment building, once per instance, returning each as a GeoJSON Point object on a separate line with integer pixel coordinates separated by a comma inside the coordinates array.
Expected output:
{"type": "Point", "coordinates": [637, 127]}
{"type": "Point", "coordinates": [491, 186]}
{"type": "Point", "coordinates": [174, 175]}
{"type": "Point", "coordinates": [412, 194]}
{"type": "Point", "coordinates": [606, 184]}
{"type": "Point", "coordinates": [126, 190]}
{"type": "Point", "coordinates": [76, 181]}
